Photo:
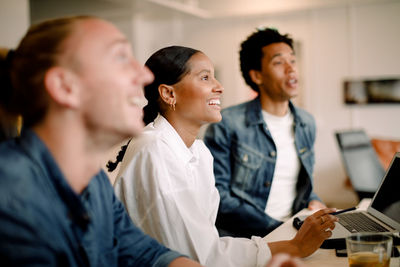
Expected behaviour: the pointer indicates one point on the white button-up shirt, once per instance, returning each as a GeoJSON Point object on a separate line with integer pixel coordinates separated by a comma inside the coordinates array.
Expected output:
{"type": "Point", "coordinates": [169, 191]}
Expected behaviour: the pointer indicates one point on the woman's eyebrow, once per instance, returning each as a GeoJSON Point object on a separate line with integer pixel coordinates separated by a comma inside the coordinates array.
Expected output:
{"type": "Point", "coordinates": [203, 70]}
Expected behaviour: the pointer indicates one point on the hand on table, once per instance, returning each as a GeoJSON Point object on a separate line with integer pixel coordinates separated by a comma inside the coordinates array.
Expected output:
{"type": "Point", "coordinates": [315, 229]}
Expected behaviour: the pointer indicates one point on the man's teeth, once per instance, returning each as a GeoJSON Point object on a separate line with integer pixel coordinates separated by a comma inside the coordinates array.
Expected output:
{"type": "Point", "coordinates": [138, 101]}
{"type": "Point", "coordinates": [214, 102]}
{"type": "Point", "coordinates": [292, 81]}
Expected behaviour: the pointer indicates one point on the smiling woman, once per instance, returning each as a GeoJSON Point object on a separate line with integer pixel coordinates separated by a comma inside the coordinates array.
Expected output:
{"type": "Point", "coordinates": [185, 92]}
{"type": "Point", "coordinates": [166, 180]}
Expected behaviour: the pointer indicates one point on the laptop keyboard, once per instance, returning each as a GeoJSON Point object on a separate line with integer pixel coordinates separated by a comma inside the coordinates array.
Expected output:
{"type": "Point", "coordinates": [359, 222]}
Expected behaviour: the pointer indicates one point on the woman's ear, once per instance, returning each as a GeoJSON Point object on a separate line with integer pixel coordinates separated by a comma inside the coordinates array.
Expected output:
{"type": "Point", "coordinates": [255, 76]}
{"type": "Point", "coordinates": [62, 86]}
{"type": "Point", "coordinates": [167, 94]}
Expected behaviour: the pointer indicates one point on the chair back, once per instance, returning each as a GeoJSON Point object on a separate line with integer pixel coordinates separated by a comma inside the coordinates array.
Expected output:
{"type": "Point", "coordinates": [361, 162]}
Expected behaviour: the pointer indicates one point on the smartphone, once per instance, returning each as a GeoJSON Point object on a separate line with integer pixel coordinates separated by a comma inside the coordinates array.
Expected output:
{"type": "Point", "coordinates": [341, 252]}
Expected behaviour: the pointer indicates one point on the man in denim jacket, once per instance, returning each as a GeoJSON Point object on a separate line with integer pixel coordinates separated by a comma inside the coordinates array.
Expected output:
{"type": "Point", "coordinates": [264, 149]}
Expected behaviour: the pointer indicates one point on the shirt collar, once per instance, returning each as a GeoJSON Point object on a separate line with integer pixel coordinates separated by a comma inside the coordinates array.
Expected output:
{"type": "Point", "coordinates": [173, 139]}
{"type": "Point", "coordinates": [37, 151]}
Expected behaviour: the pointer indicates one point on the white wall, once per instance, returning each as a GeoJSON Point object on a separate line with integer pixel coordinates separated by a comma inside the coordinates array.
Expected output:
{"type": "Point", "coordinates": [14, 21]}
{"type": "Point", "coordinates": [359, 40]}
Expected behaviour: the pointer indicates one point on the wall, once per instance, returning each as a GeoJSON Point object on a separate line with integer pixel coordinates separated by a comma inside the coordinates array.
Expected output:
{"type": "Point", "coordinates": [119, 12]}
{"type": "Point", "coordinates": [14, 21]}
{"type": "Point", "coordinates": [347, 40]}
{"type": "Point", "coordinates": [359, 40]}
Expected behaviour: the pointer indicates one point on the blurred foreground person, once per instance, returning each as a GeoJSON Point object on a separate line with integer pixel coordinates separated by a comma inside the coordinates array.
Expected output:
{"type": "Point", "coordinates": [77, 86]}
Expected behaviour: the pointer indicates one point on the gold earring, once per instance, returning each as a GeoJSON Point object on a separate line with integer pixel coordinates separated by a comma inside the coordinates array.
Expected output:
{"type": "Point", "coordinates": [173, 106]}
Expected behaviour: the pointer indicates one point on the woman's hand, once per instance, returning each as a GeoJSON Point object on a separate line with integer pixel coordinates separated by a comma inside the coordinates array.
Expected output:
{"type": "Point", "coordinates": [315, 229]}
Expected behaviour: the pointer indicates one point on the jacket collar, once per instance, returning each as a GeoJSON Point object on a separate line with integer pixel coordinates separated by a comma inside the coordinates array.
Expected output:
{"type": "Point", "coordinates": [254, 113]}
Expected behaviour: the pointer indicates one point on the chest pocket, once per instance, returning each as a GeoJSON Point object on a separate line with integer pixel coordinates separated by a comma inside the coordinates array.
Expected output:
{"type": "Point", "coordinates": [246, 163]}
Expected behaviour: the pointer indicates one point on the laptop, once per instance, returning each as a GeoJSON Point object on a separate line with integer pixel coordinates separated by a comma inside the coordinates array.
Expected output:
{"type": "Point", "coordinates": [383, 211]}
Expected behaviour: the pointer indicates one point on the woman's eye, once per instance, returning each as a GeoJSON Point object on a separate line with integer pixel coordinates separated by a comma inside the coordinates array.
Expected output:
{"type": "Point", "coordinates": [277, 62]}
{"type": "Point", "coordinates": [204, 78]}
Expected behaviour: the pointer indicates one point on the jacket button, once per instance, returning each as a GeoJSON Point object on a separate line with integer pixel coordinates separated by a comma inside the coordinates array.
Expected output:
{"type": "Point", "coordinates": [245, 158]}
{"type": "Point", "coordinates": [267, 184]}
{"type": "Point", "coordinates": [272, 153]}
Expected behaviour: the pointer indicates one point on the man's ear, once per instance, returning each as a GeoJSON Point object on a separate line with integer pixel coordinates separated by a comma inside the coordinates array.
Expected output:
{"type": "Point", "coordinates": [167, 94]}
{"type": "Point", "coordinates": [255, 76]}
{"type": "Point", "coordinates": [62, 86]}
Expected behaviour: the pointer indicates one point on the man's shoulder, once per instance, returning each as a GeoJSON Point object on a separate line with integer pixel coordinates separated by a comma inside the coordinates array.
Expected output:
{"type": "Point", "coordinates": [21, 179]}
{"type": "Point", "coordinates": [14, 163]}
{"type": "Point", "coordinates": [22, 198]}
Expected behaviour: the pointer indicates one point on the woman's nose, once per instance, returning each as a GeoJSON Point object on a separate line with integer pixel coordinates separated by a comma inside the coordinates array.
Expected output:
{"type": "Point", "coordinates": [218, 87]}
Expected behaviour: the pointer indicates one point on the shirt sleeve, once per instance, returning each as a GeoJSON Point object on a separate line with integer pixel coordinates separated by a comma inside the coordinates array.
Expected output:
{"type": "Point", "coordinates": [175, 216]}
{"type": "Point", "coordinates": [136, 248]}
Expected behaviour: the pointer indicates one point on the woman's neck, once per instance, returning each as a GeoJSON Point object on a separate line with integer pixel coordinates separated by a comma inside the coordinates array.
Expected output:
{"type": "Point", "coordinates": [187, 130]}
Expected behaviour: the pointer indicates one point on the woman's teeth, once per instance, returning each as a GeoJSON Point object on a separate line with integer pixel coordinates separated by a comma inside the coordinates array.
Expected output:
{"type": "Point", "coordinates": [214, 102]}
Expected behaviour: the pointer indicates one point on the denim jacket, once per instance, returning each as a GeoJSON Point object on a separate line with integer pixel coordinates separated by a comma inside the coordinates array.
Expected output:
{"type": "Point", "coordinates": [244, 162]}
{"type": "Point", "coordinates": [45, 223]}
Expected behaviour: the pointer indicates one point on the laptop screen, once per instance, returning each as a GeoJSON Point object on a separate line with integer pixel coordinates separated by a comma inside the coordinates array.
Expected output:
{"type": "Point", "coordinates": [387, 199]}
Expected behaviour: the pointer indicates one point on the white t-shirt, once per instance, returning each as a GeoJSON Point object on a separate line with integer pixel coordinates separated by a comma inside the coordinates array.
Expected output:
{"type": "Point", "coordinates": [287, 167]}
{"type": "Point", "coordinates": [169, 192]}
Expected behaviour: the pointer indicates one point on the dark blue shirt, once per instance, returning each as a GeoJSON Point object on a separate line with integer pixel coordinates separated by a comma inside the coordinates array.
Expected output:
{"type": "Point", "coordinates": [44, 222]}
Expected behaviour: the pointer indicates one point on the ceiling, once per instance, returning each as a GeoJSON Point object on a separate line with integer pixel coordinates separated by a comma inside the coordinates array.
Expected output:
{"type": "Point", "coordinates": [203, 9]}
{"type": "Point", "coordinates": [238, 8]}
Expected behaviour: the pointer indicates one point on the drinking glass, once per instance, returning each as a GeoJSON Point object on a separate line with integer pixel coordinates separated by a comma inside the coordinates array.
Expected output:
{"type": "Point", "coordinates": [369, 249]}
